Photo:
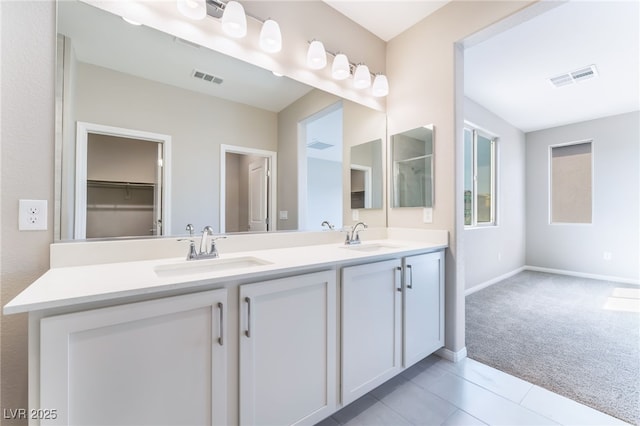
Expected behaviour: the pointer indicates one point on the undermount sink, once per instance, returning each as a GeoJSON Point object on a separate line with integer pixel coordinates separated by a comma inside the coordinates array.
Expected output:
{"type": "Point", "coordinates": [209, 265]}
{"type": "Point", "coordinates": [371, 247]}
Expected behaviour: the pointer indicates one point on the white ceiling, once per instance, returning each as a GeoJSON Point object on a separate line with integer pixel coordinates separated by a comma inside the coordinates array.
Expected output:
{"type": "Point", "coordinates": [386, 18]}
{"type": "Point", "coordinates": [508, 72]}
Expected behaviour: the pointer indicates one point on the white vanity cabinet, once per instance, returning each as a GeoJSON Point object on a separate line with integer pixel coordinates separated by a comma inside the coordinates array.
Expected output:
{"type": "Point", "coordinates": [288, 350]}
{"type": "Point", "coordinates": [155, 362]}
{"type": "Point", "coordinates": [392, 317]}
{"type": "Point", "coordinates": [371, 326]}
{"type": "Point", "coordinates": [423, 317]}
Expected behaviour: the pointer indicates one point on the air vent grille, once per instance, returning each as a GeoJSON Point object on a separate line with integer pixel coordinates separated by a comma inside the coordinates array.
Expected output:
{"type": "Point", "coordinates": [576, 76]}
{"type": "Point", "coordinates": [207, 77]}
{"type": "Point", "coordinates": [317, 144]}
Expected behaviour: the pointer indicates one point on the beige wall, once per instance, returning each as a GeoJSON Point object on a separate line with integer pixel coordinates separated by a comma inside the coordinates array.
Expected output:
{"type": "Point", "coordinates": [111, 158]}
{"type": "Point", "coordinates": [26, 138]}
{"type": "Point", "coordinates": [425, 74]}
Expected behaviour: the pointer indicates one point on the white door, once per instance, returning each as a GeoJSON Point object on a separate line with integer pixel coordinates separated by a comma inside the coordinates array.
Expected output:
{"type": "Point", "coordinates": [423, 306]}
{"type": "Point", "coordinates": [371, 326]}
{"type": "Point", "coordinates": [258, 184]}
{"type": "Point", "coordinates": [288, 350]}
{"type": "Point", "coordinates": [161, 362]}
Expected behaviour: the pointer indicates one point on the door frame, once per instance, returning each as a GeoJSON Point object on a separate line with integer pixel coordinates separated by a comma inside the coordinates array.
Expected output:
{"type": "Point", "coordinates": [368, 171]}
{"type": "Point", "coordinates": [83, 129]}
{"type": "Point", "coordinates": [272, 197]}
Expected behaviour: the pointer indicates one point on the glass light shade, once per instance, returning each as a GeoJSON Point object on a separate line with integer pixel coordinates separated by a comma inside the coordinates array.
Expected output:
{"type": "Point", "coordinates": [270, 36]}
{"type": "Point", "coordinates": [234, 21]}
{"type": "Point", "coordinates": [193, 9]}
{"type": "Point", "coordinates": [380, 86]}
{"type": "Point", "coordinates": [340, 68]}
{"type": "Point", "coordinates": [362, 77]}
{"type": "Point", "coordinates": [131, 21]}
{"type": "Point", "coordinates": [316, 55]}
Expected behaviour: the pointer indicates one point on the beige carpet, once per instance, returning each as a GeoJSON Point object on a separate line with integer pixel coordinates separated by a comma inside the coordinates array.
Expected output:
{"type": "Point", "coordinates": [554, 331]}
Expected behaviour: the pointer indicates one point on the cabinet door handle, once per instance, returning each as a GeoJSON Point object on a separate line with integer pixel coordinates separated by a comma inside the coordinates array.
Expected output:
{"type": "Point", "coordinates": [247, 332]}
{"type": "Point", "coordinates": [398, 270]}
{"type": "Point", "coordinates": [410, 283]}
{"type": "Point", "coordinates": [221, 324]}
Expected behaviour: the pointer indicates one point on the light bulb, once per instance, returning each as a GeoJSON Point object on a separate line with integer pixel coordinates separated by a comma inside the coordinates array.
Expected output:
{"type": "Point", "coordinates": [362, 77]}
{"type": "Point", "coordinates": [316, 55]}
{"type": "Point", "coordinates": [270, 36]}
{"type": "Point", "coordinates": [193, 9]}
{"type": "Point", "coordinates": [340, 68]}
{"type": "Point", "coordinates": [234, 21]}
{"type": "Point", "coordinates": [380, 86]}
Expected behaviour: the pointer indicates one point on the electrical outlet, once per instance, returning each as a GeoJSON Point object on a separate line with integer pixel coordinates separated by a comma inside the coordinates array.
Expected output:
{"type": "Point", "coordinates": [427, 215]}
{"type": "Point", "coordinates": [32, 215]}
{"type": "Point", "coordinates": [355, 215]}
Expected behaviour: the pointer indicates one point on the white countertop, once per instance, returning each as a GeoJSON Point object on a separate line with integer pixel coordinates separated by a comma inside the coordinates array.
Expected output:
{"type": "Point", "coordinates": [75, 285]}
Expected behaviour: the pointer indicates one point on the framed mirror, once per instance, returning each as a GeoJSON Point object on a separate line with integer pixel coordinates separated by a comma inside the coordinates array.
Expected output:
{"type": "Point", "coordinates": [216, 116]}
{"type": "Point", "coordinates": [412, 167]}
{"type": "Point", "coordinates": [366, 173]}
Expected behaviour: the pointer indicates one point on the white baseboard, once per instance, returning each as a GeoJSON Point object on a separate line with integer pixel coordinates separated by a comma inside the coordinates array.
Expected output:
{"type": "Point", "coordinates": [452, 356]}
{"type": "Point", "coordinates": [582, 275]}
{"type": "Point", "coordinates": [493, 281]}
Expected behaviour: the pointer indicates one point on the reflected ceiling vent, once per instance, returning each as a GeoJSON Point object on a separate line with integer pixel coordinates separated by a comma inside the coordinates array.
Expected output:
{"type": "Point", "coordinates": [576, 76]}
{"type": "Point", "coordinates": [206, 77]}
{"type": "Point", "coordinates": [318, 144]}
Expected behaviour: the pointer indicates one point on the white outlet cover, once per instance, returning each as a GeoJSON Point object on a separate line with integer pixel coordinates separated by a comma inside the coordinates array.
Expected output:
{"type": "Point", "coordinates": [427, 215]}
{"type": "Point", "coordinates": [32, 215]}
{"type": "Point", "coordinates": [355, 215]}
{"type": "Point", "coordinates": [284, 215]}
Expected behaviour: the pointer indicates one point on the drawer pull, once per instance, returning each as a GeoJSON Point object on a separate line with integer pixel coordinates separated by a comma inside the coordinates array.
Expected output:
{"type": "Point", "coordinates": [410, 284]}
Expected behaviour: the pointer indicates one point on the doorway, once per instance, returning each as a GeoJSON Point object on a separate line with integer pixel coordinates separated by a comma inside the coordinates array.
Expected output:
{"type": "Point", "coordinates": [122, 182]}
{"type": "Point", "coordinates": [320, 156]}
{"type": "Point", "coordinates": [247, 190]}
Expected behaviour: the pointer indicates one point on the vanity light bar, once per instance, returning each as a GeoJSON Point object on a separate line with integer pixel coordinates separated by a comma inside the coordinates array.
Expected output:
{"type": "Point", "coordinates": [342, 69]}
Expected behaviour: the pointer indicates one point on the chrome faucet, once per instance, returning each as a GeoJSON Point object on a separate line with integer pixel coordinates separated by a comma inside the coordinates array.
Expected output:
{"type": "Point", "coordinates": [207, 231]}
{"type": "Point", "coordinates": [206, 251]}
{"type": "Point", "coordinates": [353, 237]}
{"type": "Point", "coordinates": [327, 224]}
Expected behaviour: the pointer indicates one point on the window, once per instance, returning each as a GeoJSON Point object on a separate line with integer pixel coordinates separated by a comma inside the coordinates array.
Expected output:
{"type": "Point", "coordinates": [479, 178]}
{"type": "Point", "coordinates": [571, 171]}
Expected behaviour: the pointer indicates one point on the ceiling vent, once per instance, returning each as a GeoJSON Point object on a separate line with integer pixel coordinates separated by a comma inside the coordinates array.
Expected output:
{"type": "Point", "coordinates": [317, 144]}
{"type": "Point", "coordinates": [575, 76]}
{"type": "Point", "coordinates": [207, 77]}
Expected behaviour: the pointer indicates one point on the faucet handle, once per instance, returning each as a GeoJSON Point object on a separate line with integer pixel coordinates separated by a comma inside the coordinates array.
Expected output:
{"type": "Point", "coordinates": [214, 249]}
{"type": "Point", "coordinates": [192, 254]}
{"type": "Point", "coordinates": [190, 228]}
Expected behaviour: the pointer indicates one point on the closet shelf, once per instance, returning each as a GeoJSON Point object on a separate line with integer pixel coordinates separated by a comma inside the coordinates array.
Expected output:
{"type": "Point", "coordinates": [115, 184]}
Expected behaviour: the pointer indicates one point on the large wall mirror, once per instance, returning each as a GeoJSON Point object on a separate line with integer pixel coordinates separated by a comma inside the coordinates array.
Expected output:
{"type": "Point", "coordinates": [412, 167]}
{"type": "Point", "coordinates": [222, 137]}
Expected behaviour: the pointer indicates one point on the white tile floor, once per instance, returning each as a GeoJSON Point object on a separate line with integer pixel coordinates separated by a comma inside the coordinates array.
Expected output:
{"type": "Point", "coordinates": [439, 392]}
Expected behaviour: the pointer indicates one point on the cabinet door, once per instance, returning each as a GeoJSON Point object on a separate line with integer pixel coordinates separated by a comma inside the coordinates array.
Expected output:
{"type": "Point", "coordinates": [288, 350]}
{"type": "Point", "coordinates": [423, 306]}
{"type": "Point", "coordinates": [371, 326]}
{"type": "Point", "coordinates": [161, 362]}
